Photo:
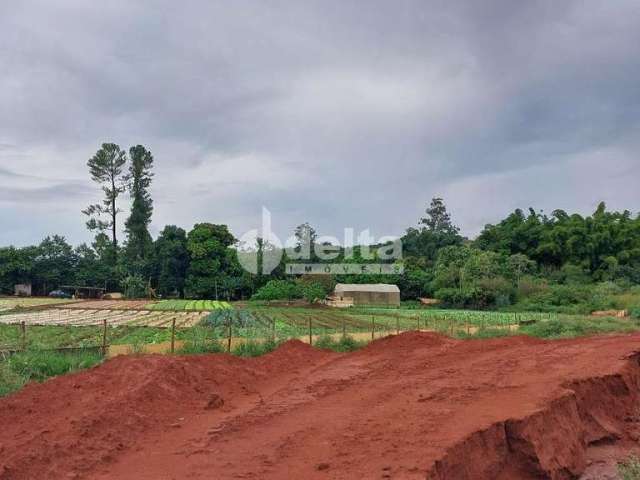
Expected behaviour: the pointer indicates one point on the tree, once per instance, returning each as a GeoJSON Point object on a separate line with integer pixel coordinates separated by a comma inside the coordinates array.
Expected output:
{"type": "Point", "coordinates": [305, 236]}
{"type": "Point", "coordinates": [436, 231]}
{"type": "Point", "coordinates": [171, 260]}
{"type": "Point", "coordinates": [211, 259]}
{"type": "Point", "coordinates": [54, 265]}
{"type": "Point", "coordinates": [139, 242]}
{"type": "Point", "coordinates": [107, 169]}
{"type": "Point", "coordinates": [438, 219]}
{"type": "Point", "coordinates": [16, 266]}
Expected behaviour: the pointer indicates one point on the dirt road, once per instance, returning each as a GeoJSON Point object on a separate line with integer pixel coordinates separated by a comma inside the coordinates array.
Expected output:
{"type": "Point", "coordinates": [413, 406]}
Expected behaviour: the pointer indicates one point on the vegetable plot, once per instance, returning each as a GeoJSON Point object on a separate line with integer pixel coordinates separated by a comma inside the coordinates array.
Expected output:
{"type": "Point", "coordinates": [189, 305]}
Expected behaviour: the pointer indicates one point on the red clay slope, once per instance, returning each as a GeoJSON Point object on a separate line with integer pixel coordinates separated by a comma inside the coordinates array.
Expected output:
{"type": "Point", "coordinates": [413, 406]}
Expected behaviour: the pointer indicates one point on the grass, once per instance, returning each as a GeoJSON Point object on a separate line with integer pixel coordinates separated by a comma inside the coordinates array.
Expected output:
{"type": "Point", "coordinates": [199, 340]}
{"type": "Point", "coordinates": [56, 336]}
{"type": "Point", "coordinates": [630, 468]}
{"type": "Point", "coordinates": [33, 365]}
{"type": "Point", "coordinates": [254, 348]}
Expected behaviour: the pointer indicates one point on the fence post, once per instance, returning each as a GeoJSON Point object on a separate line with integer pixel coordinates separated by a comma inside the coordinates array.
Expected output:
{"type": "Point", "coordinates": [373, 327]}
{"type": "Point", "coordinates": [397, 324]}
{"type": "Point", "coordinates": [273, 329]}
{"type": "Point", "coordinates": [344, 327]}
{"type": "Point", "coordinates": [23, 335]}
{"type": "Point", "coordinates": [104, 337]}
{"type": "Point", "coordinates": [310, 332]}
{"type": "Point", "coordinates": [173, 335]}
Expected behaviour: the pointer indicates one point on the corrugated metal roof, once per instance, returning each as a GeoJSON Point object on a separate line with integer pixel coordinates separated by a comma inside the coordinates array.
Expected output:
{"type": "Point", "coordinates": [367, 287]}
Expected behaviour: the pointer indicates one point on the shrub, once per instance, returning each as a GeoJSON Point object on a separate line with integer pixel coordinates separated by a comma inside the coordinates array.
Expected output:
{"type": "Point", "coordinates": [634, 312]}
{"type": "Point", "coordinates": [278, 290]}
{"type": "Point", "coordinates": [344, 344]}
{"type": "Point", "coordinates": [313, 291]}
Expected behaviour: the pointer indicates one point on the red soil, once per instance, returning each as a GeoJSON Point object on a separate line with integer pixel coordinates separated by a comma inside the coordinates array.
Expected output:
{"type": "Point", "coordinates": [413, 406]}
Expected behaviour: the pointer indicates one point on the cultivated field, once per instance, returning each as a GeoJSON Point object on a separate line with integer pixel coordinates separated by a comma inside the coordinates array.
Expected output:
{"type": "Point", "coordinates": [84, 317]}
{"type": "Point", "coordinates": [10, 303]}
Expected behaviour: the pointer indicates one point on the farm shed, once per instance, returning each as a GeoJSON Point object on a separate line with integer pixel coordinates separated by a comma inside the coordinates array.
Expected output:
{"type": "Point", "coordinates": [368, 293]}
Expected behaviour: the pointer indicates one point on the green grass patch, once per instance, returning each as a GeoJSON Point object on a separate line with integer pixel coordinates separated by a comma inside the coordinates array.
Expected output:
{"type": "Point", "coordinates": [37, 365]}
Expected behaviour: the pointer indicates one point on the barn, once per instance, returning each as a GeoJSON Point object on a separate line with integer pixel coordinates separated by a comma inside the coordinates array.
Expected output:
{"type": "Point", "coordinates": [368, 293]}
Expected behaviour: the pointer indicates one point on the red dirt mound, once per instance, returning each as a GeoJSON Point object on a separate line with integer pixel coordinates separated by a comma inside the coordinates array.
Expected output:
{"type": "Point", "coordinates": [413, 406]}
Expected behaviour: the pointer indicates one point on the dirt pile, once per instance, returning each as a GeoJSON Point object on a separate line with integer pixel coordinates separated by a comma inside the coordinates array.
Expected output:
{"type": "Point", "coordinates": [413, 406]}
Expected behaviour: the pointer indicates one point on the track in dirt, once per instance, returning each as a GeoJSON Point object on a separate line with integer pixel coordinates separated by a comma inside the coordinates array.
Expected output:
{"type": "Point", "coordinates": [413, 406]}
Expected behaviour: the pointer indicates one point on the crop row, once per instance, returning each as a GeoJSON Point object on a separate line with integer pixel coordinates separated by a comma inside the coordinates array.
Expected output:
{"type": "Point", "coordinates": [188, 305]}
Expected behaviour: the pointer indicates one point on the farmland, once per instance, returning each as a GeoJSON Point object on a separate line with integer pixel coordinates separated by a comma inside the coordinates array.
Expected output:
{"type": "Point", "coordinates": [10, 303]}
{"type": "Point", "coordinates": [259, 321]}
{"type": "Point", "coordinates": [188, 305]}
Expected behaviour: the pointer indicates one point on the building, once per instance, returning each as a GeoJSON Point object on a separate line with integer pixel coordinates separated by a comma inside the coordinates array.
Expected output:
{"type": "Point", "coordinates": [22, 289]}
{"type": "Point", "coordinates": [367, 294]}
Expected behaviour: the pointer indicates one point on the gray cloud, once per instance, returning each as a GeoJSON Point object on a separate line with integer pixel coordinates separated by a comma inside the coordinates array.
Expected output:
{"type": "Point", "coordinates": [340, 113]}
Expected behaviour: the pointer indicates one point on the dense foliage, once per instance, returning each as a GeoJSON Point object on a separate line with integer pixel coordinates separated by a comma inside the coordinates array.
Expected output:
{"type": "Point", "coordinates": [562, 262]}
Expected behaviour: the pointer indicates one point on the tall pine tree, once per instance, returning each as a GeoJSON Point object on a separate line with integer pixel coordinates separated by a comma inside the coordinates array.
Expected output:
{"type": "Point", "coordinates": [107, 169]}
{"type": "Point", "coordinates": [139, 243]}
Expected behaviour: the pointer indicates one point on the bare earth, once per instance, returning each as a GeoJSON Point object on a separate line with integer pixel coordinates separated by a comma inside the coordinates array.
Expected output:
{"type": "Point", "coordinates": [417, 405]}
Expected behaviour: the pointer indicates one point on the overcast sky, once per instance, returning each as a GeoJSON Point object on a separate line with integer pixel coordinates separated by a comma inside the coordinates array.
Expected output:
{"type": "Point", "coordinates": [340, 113]}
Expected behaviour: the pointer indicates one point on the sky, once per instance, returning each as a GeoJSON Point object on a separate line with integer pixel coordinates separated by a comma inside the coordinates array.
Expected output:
{"type": "Point", "coordinates": [345, 114]}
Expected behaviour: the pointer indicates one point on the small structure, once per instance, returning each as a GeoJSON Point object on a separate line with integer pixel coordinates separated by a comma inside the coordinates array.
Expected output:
{"type": "Point", "coordinates": [79, 291]}
{"type": "Point", "coordinates": [367, 294]}
{"type": "Point", "coordinates": [22, 289]}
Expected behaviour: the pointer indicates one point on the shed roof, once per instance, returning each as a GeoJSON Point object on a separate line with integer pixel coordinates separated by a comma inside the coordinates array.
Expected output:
{"type": "Point", "coordinates": [367, 287]}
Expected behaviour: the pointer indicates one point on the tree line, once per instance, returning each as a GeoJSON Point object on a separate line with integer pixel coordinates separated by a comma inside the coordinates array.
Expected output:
{"type": "Point", "coordinates": [524, 254]}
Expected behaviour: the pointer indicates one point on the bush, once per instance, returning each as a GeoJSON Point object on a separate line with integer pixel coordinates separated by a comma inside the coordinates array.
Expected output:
{"type": "Point", "coordinates": [313, 291]}
{"type": "Point", "coordinates": [344, 344]}
{"type": "Point", "coordinates": [278, 290]}
{"type": "Point", "coordinates": [634, 312]}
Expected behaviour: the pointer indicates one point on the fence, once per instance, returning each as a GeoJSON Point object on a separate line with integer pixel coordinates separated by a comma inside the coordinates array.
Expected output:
{"type": "Point", "coordinates": [110, 333]}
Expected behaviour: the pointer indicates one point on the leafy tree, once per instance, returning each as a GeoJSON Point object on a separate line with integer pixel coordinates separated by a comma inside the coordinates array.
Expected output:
{"type": "Point", "coordinates": [139, 242]}
{"type": "Point", "coordinates": [435, 231]}
{"type": "Point", "coordinates": [171, 260]}
{"type": "Point", "coordinates": [211, 259]}
{"type": "Point", "coordinates": [107, 169]}
{"type": "Point", "coordinates": [133, 286]}
{"type": "Point", "coordinates": [54, 264]}
{"type": "Point", "coordinates": [16, 266]}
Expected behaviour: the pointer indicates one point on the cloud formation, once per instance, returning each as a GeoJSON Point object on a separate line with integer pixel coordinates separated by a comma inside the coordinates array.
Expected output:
{"type": "Point", "coordinates": [340, 113]}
